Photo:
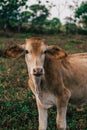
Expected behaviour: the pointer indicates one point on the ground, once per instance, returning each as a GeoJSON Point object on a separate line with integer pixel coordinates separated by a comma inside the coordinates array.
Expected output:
{"type": "Point", "coordinates": [18, 109]}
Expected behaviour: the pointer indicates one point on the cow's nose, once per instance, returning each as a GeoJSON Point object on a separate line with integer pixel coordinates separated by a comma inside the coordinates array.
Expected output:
{"type": "Point", "coordinates": [37, 71]}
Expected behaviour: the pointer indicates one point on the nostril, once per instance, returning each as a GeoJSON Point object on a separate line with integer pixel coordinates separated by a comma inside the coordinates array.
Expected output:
{"type": "Point", "coordinates": [41, 70]}
{"type": "Point", "coordinates": [34, 70]}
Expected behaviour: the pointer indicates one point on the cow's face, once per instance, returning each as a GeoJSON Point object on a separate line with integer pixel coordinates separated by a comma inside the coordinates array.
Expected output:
{"type": "Point", "coordinates": [35, 51]}
{"type": "Point", "coordinates": [35, 55]}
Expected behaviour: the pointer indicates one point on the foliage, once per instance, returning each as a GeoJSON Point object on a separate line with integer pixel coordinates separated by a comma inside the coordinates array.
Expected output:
{"type": "Point", "coordinates": [12, 16]}
{"type": "Point", "coordinates": [39, 13]}
{"type": "Point", "coordinates": [55, 23]}
{"type": "Point", "coordinates": [81, 10]}
{"type": "Point", "coordinates": [82, 31]}
{"type": "Point", "coordinates": [71, 28]}
{"type": "Point", "coordinates": [25, 15]}
{"type": "Point", "coordinates": [33, 18]}
{"type": "Point", "coordinates": [17, 15]}
{"type": "Point", "coordinates": [77, 21]}
{"type": "Point", "coordinates": [52, 26]}
{"type": "Point", "coordinates": [81, 14]}
{"type": "Point", "coordinates": [10, 12]}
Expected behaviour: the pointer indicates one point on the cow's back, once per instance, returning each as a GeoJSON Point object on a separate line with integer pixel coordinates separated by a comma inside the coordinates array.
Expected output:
{"type": "Point", "coordinates": [78, 57]}
{"type": "Point", "coordinates": [78, 64]}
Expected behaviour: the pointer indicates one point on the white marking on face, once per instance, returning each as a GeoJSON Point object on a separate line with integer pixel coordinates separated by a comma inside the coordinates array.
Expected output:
{"type": "Point", "coordinates": [35, 59]}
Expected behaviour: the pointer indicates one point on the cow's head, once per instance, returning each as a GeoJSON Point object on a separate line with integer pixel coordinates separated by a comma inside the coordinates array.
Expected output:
{"type": "Point", "coordinates": [35, 51]}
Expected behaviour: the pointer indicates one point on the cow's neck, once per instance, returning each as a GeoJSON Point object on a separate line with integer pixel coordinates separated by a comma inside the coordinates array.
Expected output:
{"type": "Point", "coordinates": [37, 84]}
{"type": "Point", "coordinates": [53, 75]}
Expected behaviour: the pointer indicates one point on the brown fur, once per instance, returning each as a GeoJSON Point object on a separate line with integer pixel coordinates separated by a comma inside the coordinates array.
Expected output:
{"type": "Point", "coordinates": [35, 44]}
{"type": "Point", "coordinates": [13, 52]}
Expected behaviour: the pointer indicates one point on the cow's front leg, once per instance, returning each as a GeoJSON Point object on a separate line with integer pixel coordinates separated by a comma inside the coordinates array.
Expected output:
{"type": "Point", "coordinates": [62, 109]}
{"type": "Point", "coordinates": [42, 116]}
{"type": "Point", "coordinates": [61, 118]}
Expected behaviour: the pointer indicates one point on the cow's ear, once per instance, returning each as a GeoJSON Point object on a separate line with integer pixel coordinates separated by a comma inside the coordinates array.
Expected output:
{"type": "Point", "coordinates": [15, 51]}
{"type": "Point", "coordinates": [56, 52]}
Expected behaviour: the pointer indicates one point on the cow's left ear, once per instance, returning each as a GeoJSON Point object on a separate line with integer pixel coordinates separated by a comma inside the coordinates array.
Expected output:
{"type": "Point", "coordinates": [15, 51]}
{"type": "Point", "coordinates": [56, 52]}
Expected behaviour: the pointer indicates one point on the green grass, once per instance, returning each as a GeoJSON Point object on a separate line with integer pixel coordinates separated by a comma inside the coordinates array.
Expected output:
{"type": "Point", "coordinates": [18, 109]}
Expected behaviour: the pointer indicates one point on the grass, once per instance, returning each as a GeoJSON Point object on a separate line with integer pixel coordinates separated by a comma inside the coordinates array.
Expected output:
{"type": "Point", "coordinates": [18, 109]}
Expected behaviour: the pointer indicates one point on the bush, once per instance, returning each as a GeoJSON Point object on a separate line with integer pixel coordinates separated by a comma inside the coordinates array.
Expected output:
{"type": "Point", "coordinates": [82, 31]}
{"type": "Point", "coordinates": [71, 28]}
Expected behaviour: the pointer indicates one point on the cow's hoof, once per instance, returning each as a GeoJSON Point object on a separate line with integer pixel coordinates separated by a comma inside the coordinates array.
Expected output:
{"type": "Point", "coordinates": [61, 128]}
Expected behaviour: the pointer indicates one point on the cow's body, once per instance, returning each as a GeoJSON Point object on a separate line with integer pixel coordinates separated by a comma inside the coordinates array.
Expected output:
{"type": "Point", "coordinates": [75, 77]}
{"type": "Point", "coordinates": [73, 71]}
{"type": "Point", "coordinates": [55, 79]}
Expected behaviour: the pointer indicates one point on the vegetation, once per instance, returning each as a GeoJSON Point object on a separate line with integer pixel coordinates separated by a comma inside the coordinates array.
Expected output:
{"type": "Point", "coordinates": [35, 18]}
{"type": "Point", "coordinates": [18, 109]}
{"type": "Point", "coordinates": [81, 14]}
{"type": "Point", "coordinates": [10, 13]}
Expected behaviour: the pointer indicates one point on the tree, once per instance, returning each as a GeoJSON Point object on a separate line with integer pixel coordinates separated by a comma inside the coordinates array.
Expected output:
{"type": "Point", "coordinates": [81, 14]}
{"type": "Point", "coordinates": [71, 28]}
{"type": "Point", "coordinates": [10, 12]}
{"type": "Point", "coordinates": [55, 24]}
{"type": "Point", "coordinates": [39, 13]}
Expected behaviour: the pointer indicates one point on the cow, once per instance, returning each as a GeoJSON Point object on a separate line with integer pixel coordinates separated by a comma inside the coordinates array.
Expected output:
{"type": "Point", "coordinates": [55, 78]}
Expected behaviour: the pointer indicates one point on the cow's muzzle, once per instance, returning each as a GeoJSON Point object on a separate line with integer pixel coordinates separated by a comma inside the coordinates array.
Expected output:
{"type": "Point", "coordinates": [38, 72]}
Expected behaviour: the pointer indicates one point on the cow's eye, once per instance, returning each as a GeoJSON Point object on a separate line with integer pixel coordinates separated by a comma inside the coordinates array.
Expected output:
{"type": "Point", "coordinates": [26, 51]}
{"type": "Point", "coordinates": [44, 52]}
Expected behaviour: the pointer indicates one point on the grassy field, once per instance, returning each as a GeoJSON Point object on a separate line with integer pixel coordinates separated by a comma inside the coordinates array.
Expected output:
{"type": "Point", "coordinates": [18, 109]}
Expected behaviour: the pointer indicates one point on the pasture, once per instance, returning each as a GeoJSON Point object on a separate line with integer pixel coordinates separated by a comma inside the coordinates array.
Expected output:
{"type": "Point", "coordinates": [18, 109]}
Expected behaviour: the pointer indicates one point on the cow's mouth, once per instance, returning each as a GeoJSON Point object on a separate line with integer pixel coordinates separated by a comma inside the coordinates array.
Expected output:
{"type": "Point", "coordinates": [38, 74]}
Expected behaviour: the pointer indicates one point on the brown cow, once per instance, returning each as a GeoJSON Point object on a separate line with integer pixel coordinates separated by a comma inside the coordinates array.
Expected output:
{"type": "Point", "coordinates": [55, 78]}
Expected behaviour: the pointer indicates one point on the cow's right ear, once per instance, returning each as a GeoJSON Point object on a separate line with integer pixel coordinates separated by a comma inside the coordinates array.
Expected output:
{"type": "Point", "coordinates": [15, 51]}
{"type": "Point", "coordinates": [56, 52]}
